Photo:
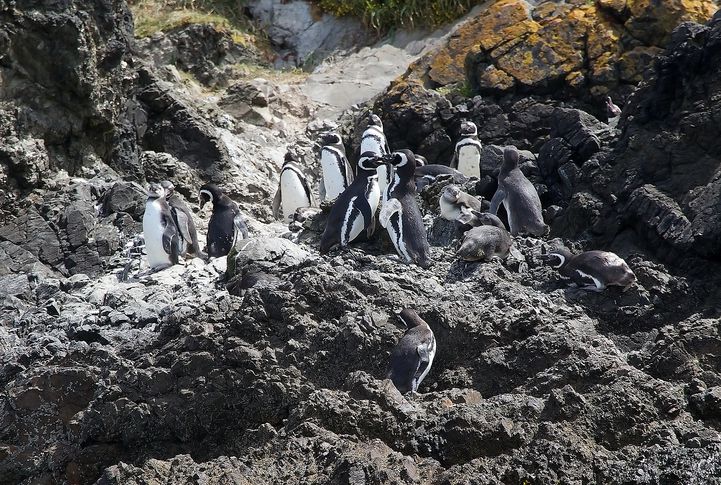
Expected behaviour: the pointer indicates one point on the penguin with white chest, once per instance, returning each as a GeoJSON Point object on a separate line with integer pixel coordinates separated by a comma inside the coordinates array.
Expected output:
{"type": "Point", "coordinates": [467, 156]}
{"type": "Point", "coordinates": [519, 197]}
{"type": "Point", "coordinates": [163, 243]}
{"type": "Point", "coordinates": [591, 270]}
{"type": "Point", "coordinates": [337, 171]}
{"type": "Point", "coordinates": [412, 357]}
{"type": "Point", "coordinates": [226, 226]}
{"type": "Point", "coordinates": [293, 190]}
{"type": "Point", "coordinates": [354, 210]}
{"type": "Point", "coordinates": [374, 141]}
{"type": "Point", "coordinates": [400, 214]}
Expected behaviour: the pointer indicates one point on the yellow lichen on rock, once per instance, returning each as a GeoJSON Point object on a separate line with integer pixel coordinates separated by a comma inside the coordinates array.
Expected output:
{"type": "Point", "coordinates": [512, 43]}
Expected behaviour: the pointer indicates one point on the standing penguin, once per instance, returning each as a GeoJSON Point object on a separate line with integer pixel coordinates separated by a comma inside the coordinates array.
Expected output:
{"type": "Point", "coordinates": [293, 190]}
{"type": "Point", "coordinates": [488, 239]}
{"type": "Point", "coordinates": [374, 141]}
{"type": "Point", "coordinates": [453, 200]}
{"type": "Point", "coordinates": [227, 225]}
{"type": "Point", "coordinates": [591, 270]}
{"type": "Point", "coordinates": [412, 357]}
{"type": "Point", "coordinates": [613, 112]}
{"type": "Point", "coordinates": [163, 243]}
{"type": "Point", "coordinates": [467, 157]}
{"type": "Point", "coordinates": [337, 171]}
{"type": "Point", "coordinates": [183, 219]}
{"type": "Point", "coordinates": [354, 210]}
{"type": "Point", "coordinates": [519, 197]}
{"type": "Point", "coordinates": [400, 214]}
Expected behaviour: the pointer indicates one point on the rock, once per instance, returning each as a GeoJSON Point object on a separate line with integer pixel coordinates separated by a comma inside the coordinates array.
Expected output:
{"type": "Point", "coordinates": [707, 403]}
{"type": "Point", "coordinates": [302, 36]}
{"type": "Point", "coordinates": [579, 130]}
{"type": "Point", "coordinates": [127, 197]}
{"type": "Point", "coordinates": [204, 50]}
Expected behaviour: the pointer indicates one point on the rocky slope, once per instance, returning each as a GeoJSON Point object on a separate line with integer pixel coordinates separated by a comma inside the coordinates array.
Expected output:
{"type": "Point", "coordinates": [272, 372]}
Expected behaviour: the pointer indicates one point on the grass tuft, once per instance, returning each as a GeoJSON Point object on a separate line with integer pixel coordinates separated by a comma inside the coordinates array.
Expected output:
{"type": "Point", "coordinates": [384, 16]}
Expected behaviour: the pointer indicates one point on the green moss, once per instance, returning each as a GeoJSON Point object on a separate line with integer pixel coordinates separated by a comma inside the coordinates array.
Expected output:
{"type": "Point", "coordinates": [387, 15]}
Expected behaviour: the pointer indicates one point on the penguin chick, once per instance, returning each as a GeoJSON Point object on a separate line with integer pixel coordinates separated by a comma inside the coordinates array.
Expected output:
{"type": "Point", "coordinates": [183, 218]}
{"type": "Point", "coordinates": [337, 171]}
{"type": "Point", "coordinates": [226, 226]}
{"type": "Point", "coordinates": [412, 357]}
{"type": "Point", "coordinates": [519, 197]}
{"type": "Point", "coordinates": [163, 243]}
{"type": "Point", "coordinates": [453, 200]}
{"type": "Point", "coordinates": [591, 270]}
{"type": "Point", "coordinates": [487, 239]}
{"type": "Point", "coordinates": [293, 190]}
{"type": "Point", "coordinates": [354, 210]}
{"type": "Point", "coordinates": [467, 156]}
{"type": "Point", "coordinates": [400, 214]}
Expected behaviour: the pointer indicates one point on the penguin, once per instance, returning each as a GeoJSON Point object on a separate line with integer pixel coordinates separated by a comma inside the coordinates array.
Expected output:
{"type": "Point", "coordinates": [374, 140]}
{"type": "Point", "coordinates": [354, 210]}
{"type": "Point", "coordinates": [412, 357]}
{"type": "Point", "coordinates": [400, 214]}
{"type": "Point", "coordinates": [613, 112]}
{"type": "Point", "coordinates": [467, 156]}
{"type": "Point", "coordinates": [428, 173]}
{"type": "Point", "coordinates": [163, 243]}
{"type": "Point", "coordinates": [227, 225]}
{"type": "Point", "coordinates": [183, 219]}
{"type": "Point", "coordinates": [337, 171]}
{"type": "Point", "coordinates": [453, 199]}
{"type": "Point", "coordinates": [519, 197]}
{"type": "Point", "coordinates": [293, 190]}
{"type": "Point", "coordinates": [487, 239]}
{"type": "Point", "coordinates": [591, 270]}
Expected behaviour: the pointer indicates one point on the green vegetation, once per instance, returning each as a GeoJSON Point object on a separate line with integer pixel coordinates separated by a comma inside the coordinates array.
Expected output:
{"type": "Point", "coordinates": [153, 16]}
{"type": "Point", "coordinates": [387, 15]}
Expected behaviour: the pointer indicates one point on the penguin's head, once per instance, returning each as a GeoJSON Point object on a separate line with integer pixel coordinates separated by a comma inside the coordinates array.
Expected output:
{"type": "Point", "coordinates": [451, 193]}
{"type": "Point", "coordinates": [155, 191]}
{"type": "Point", "coordinates": [330, 138]}
{"type": "Point", "coordinates": [290, 157]}
{"type": "Point", "coordinates": [168, 186]}
{"type": "Point", "coordinates": [369, 161]}
{"type": "Point", "coordinates": [510, 158]}
{"type": "Point", "coordinates": [611, 109]}
{"type": "Point", "coordinates": [209, 193]}
{"type": "Point", "coordinates": [400, 158]}
{"type": "Point", "coordinates": [375, 120]}
{"type": "Point", "coordinates": [474, 218]}
{"type": "Point", "coordinates": [556, 257]}
{"type": "Point", "coordinates": [468, 128]}
{"type": "Point", "coordinates": [410, 318]}
{"type": "Point", "coordinates": [420, 160]}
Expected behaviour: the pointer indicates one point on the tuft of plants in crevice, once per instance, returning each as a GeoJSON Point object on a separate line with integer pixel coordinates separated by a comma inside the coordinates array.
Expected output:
{"type": "Point", "coordinates": [387, 15]}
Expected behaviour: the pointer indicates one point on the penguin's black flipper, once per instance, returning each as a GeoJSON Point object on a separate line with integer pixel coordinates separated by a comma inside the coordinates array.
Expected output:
{"type": "Point", "coordinates": [276, 204]}
{"type": "Point", "coordinates": [361, 203]}
{"type": "Point", "coordinates": [454, 160]}
{"type": "Point", "coordinates": [498, 197]}
{"type": "Point", "coordinates": [424, 361]}
{"type": "Point", "coordinates": [183, 224]}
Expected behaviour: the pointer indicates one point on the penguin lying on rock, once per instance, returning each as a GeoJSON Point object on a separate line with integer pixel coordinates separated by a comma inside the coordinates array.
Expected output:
{"type": "Point", "coordinates": [590, 270]}
{"type": "Point", "coordinates": [428, 173]}
{"type": "Point", "coordinates": [227, 225]}
{"type": "Point", "coordinates": [412, 357]}
{"type": "Point", "coordinates": [453, 200]}
{"type": "Point", "coordinates": [487, 239]}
